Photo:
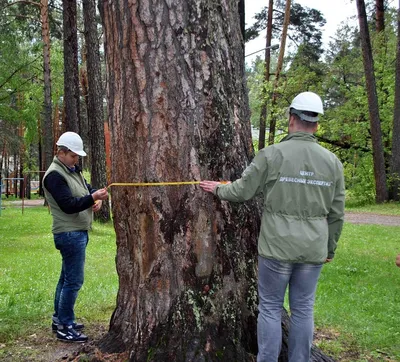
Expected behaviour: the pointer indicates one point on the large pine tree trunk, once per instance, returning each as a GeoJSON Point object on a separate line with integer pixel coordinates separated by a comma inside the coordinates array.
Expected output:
{"type": "Point", "coordinates": [375, 122]}
{"type": "Point", "coordinates": [178, 111]}
{"type": "Point", "coordinates": [95, 112]}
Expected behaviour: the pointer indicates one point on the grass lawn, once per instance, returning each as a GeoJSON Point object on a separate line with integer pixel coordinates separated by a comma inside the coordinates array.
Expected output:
{"type": "Point", "coordinates": [358, 295]}
{"type": "Point", "coordinates": [357, 314]}
{"type": "Point", "coordinates": [388, 208]}
{"type": "Point", "coordinates": [29, 271]}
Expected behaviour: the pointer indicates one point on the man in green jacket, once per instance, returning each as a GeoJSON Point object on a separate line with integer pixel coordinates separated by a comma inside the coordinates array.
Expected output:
{"type": "Point", "coordinates": [303, 188]}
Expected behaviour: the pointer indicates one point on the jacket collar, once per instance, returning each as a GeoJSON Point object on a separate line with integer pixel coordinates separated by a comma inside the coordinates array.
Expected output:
{"type": "Point", "coordinates": [301, 136]}
{"type": "Point", "coordinates": [70, 169]}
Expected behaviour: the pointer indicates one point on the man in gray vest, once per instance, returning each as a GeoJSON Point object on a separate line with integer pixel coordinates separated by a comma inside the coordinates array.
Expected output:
{"type": "Point", "coordinates": [303, 190]}
{"type": "Point", "coordinates": [72, 202]}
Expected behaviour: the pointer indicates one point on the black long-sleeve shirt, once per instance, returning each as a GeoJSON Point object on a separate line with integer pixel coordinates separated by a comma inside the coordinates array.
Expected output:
{"type": "Point", "coordinates": [59, 189]}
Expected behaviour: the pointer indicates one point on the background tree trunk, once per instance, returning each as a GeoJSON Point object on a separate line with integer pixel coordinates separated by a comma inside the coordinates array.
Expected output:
{"type": "Point", "coordinates": [395, 164]}
{"type": "Point", "coordinates": [272, 123]}
{"type": "Point", "coordinates": [380, 15]}
{"type": "Point", "coordinates": [376, 133]}
{"type": "Point", "coordinates": [71, 75]}
{"type": "Point", "coordinates": [47, 126]}
{"type": "Point", "coordinates": [264, 94]}
{"type": "Point", "coordinates": [95, 112]}
{"type": "Point", "coordinates": [381, 47]}
{"type": "Point", "coordinates": [21, 158]}
{"type": "Point", "coordinates": [41, 164]}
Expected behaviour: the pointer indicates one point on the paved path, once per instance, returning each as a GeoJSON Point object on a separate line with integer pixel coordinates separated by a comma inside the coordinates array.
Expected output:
{"type": "Point", "coordinates": [369, 218]}
{"type": "Point", "coordinates": [27, 203]}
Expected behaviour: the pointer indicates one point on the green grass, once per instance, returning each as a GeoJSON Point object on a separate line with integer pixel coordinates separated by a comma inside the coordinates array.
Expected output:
{"type": "Point", "coordinates": [359, 292]}
{"type": "Point", "coordinates": [357, 304]}
{"type": "Point", "coordinates": [30, 267]}
{"type": "Point", "coordinates": [388, 208]}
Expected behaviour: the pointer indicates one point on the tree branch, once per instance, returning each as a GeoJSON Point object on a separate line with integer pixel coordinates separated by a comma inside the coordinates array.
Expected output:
{"type": "Point", "coordinates": [26, 2]}
{"type": "Point", "coordinates": [16, 90]}
{"type": "Point", "coordinates": [342, 145]}
{"type": "Point", "coordinates": [16, 71]}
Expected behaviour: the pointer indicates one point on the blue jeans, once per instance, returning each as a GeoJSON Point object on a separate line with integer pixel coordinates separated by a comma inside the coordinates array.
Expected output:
{"type": "Point", "coordinates": [273, 278]}
{"type": "Point", "coordinates": [72, 247]}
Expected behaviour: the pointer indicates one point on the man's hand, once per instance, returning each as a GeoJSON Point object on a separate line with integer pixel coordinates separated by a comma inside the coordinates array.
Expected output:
{"type": "Point", "coordinates": [97, 205]}
{"type": "Point", "coordinates": [209, 186]}
{"type": "Point", "coordinates": [398, 260]}
{"type": "Point", "coordinates": [101, 194]}
{"type": "Point", "coordinates": [328, 260]}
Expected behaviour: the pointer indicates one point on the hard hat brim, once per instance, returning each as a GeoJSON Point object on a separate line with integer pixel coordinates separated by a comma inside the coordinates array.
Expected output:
{"type": "Point", "coordinates": [304, 117]}
{"type": "Point", "coordinates": [80, 153]}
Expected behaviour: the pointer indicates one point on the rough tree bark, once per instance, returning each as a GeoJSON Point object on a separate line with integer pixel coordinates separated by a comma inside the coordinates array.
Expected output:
{"type": "Point", "coordinates": [95, 112]}
{"type": "Point", "coordinates": [264, 94]}
{"type": "Point", "coordinates": [178, 111]}
{"type": "Point", "coordinates": [375, 122]}
{"type": "Point", "coordinates": [272, 123]}
{"type": "Point", "coordinates": [71, 75]}
{"type": "Point", "coordinates": [395, 162]}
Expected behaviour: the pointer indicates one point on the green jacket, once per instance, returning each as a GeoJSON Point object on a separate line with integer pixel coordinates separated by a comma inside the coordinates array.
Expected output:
{"type": "Point", "coordinates": [303, 188]}
{"type": "Point", "coordinates": [63, 222]}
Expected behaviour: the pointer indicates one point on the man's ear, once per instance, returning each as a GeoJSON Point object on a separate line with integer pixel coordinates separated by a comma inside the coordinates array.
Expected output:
{"type": "Point", "coordinates": [61, 152]}
{"type": "Point", "coordinates": [291, 120]}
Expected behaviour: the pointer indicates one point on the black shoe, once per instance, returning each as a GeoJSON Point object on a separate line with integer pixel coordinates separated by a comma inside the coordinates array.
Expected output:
{"type": "Point", "coordinates": [69, 334]}
{"type": "Point", "coordinates": [76, 326]}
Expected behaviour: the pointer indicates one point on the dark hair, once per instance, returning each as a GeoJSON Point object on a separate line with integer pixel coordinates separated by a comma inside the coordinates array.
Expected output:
{"type": "Point", "coordinates": [63, 149]}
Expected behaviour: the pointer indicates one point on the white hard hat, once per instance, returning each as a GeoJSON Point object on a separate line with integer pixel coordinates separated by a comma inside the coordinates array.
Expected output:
{"type": "Point", "coordinates": [73, 142]}
{"type": "Point", "coordinates": [309, 102]}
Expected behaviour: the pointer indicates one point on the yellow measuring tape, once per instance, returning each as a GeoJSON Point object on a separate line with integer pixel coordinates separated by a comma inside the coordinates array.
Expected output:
{"type": "Point", "coordinates": [138, 184]}
{"type": "Point", "coordinates": [153, 183]}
